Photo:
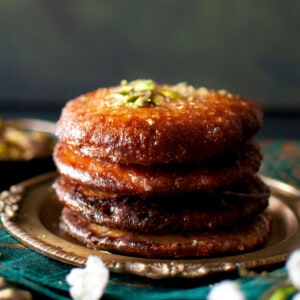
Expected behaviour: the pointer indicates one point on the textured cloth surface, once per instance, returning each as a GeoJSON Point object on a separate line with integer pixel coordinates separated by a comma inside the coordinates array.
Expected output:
{"type": "Point", "coordinates": [46, 276]}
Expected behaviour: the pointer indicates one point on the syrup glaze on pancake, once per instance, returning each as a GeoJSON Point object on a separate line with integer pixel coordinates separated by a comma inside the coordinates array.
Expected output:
{"type": "Point", "coordinates": [242, 238]}
{"type": "Point", "coordinates": [161, 171]}
{"type": "Point", "coordinates": [158, 179]}
{"type": "Point", "coordinates": [179, 213]}
{"type": "Point", "coordinates": [192, 125]}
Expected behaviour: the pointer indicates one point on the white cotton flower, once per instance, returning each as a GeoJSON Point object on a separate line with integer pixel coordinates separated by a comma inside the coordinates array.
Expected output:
{"type": "Point", "coordinates": [293, 268]}
{"type": "Point", "coordinates": [296, 297]}
{"type": "Point", "coordinates": [90, 282]}
{"type": "Point", "coordinates": [226, 289]}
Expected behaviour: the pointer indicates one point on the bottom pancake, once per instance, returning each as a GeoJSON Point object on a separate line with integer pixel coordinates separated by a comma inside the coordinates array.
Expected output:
{"type": "Point", "coordinates": [242, 238]}
{"type": "Point", "coordinates": [175, 213]}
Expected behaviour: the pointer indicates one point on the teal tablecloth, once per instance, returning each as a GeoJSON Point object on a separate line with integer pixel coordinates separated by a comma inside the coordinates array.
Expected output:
{"type": "Point", "coordinates": [47, 277]}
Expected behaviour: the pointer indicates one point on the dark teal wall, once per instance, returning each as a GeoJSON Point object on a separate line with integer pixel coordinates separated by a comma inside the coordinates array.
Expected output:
{"type": "Point", "coordinates": [58, 49]}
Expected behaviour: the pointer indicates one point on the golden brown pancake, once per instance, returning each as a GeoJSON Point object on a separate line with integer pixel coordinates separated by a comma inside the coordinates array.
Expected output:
{"type": "Point", "coordinates": [242, 238]}
{"type": "Point", "coordinates": [177, 213]}
{"type": "Point", "coordinates": [192, 125]}
{"type": "Point", "coordinates": [158, 179]}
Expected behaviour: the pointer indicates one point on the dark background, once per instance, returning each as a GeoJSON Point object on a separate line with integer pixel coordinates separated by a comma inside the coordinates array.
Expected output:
{"type": "Point", "coordinates": [54, 50]}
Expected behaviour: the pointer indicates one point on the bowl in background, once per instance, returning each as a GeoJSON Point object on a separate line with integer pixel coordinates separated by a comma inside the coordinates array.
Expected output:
{"type": "Point", "coordinates": [17, 163]}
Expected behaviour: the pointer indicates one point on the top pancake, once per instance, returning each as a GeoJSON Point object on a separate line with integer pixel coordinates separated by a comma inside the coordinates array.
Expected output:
{"type": "Point", "coordinates": [144, 123]}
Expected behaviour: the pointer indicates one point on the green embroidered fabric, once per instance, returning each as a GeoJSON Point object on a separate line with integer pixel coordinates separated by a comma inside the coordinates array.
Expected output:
{"type": "Point", "coordinates": [45, 276]}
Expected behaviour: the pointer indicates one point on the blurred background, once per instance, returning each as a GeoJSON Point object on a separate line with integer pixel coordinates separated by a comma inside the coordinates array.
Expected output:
{"type": "Point", "coordinates": [54, 50]}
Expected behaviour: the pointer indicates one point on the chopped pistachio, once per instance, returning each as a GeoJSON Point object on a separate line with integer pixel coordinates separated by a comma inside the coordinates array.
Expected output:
{"type": "Point", "coordinates": [125, 89]}
{"type": "Point", "coordinates": [142, 101]}
{"type": "Point", "coordinates": [158, 99]}
{"type": "Point", "coordinates": [136, 93]}
{"type": "Point", "coordinates": [141, 85]}
{"type": "Point", "coordinates": [133, 96]}
{"type": "Point", "coordinates": [169, 93]}
{"type": "Point", "coordinates": [145, 92]}
{"type": "Point", "coordinates": [120, 97]}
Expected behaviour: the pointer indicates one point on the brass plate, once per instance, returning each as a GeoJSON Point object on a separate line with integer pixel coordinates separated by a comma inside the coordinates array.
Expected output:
{"type": "Point", "coordinates": [36, 225]}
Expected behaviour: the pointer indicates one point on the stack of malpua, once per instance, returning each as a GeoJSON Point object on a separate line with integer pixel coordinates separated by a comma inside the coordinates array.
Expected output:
{"type": "Point", "coordinates": [158, 170]}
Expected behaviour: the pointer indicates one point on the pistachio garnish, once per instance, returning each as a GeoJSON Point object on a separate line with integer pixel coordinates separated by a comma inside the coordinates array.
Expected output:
{"type": "Point", "coordinates": [145, 93]}
{"type": "Point", "coordinates": [158, 99]}
{"type": "Point", "coordinates": [167, 92]}
{"type": "Point", "coordinates": [142, 93]}
{"type": "Point", "coordinates": [143, 85]}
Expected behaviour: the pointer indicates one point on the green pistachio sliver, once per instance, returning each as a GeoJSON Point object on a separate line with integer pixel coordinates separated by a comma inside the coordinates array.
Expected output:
{"type": "Point", "coordinates": [142, 92]}
{"type": "Point", "coordinates": [169, 93]}
{"type": "Point", "coordinates": [143, 85]}
{"type": "Point", "coordinates": [133, 96]}
{"type": "Point", "coordinates": [119, 97]}
{"type": "Point", "coordinates": [158, 99]}
{"type": "Point", "coordinates": [142, 102]}
{"type": "Point", "coordinates": [142, 99]}
{"type": "Point", "coordinates": [125, 89]}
